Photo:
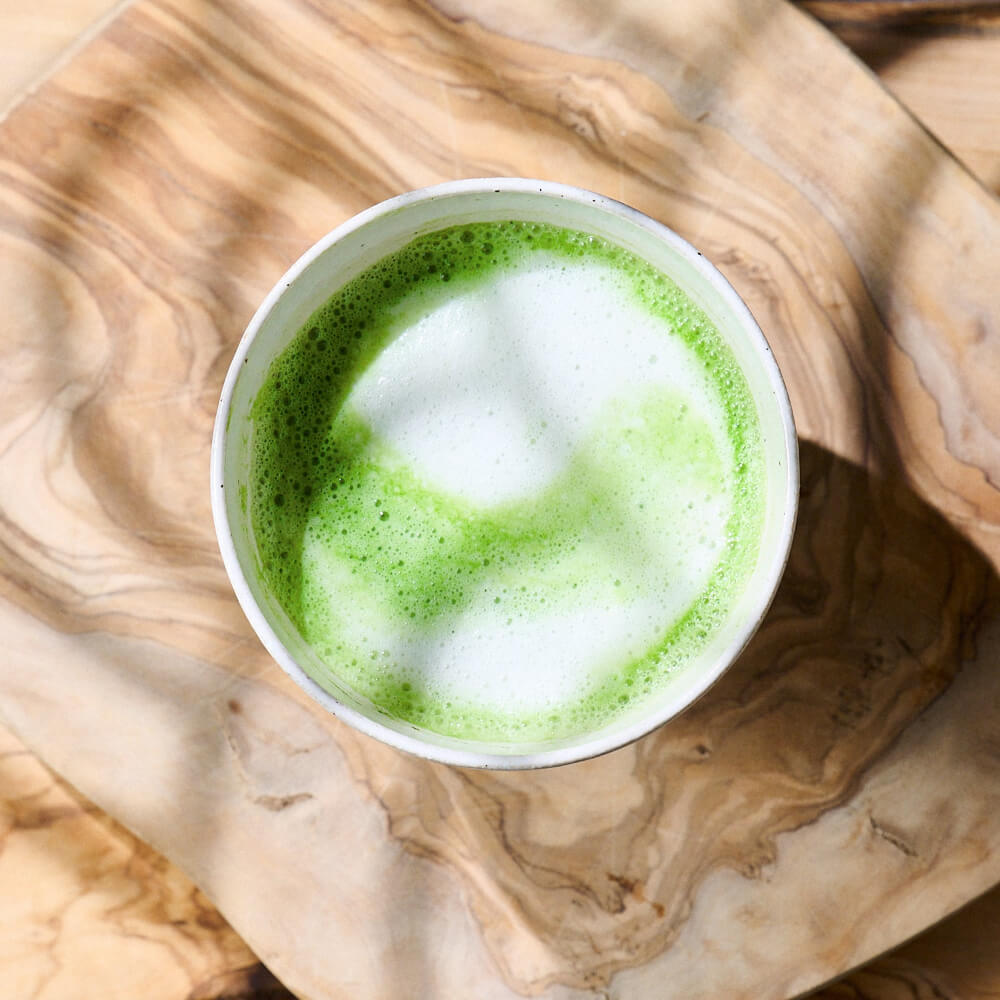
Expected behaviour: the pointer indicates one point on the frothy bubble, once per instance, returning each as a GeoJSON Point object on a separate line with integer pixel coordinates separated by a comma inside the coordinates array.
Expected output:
{"type": "Point", "coordinates": [507, 482]}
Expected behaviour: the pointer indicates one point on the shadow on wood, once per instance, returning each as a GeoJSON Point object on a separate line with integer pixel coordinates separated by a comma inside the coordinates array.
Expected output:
{"type": "Point", "coordinates": [600, 863]}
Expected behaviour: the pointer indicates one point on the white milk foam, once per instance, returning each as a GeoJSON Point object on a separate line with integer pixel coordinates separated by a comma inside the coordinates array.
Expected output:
{"type": "Point", "coordinates": [490, 393]}
{"type": "Point", "coordinates": [486, 397]}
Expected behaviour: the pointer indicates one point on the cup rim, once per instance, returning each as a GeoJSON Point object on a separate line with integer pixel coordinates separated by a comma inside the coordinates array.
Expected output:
{"type": "Point", "coordinates": [592, 746]}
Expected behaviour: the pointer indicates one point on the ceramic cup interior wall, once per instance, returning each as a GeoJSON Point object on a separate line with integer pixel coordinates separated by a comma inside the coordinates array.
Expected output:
{"type": "Point", "coordinates": [364, 240]}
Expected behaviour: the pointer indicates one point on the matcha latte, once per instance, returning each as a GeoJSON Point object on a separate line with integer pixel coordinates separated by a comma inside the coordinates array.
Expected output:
{"type": "Point", "coordinates": [505, 484]}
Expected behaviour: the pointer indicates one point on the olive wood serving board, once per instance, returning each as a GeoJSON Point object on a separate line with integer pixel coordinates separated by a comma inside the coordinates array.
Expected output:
{"type": "Point", "coordinates": [835, 793]}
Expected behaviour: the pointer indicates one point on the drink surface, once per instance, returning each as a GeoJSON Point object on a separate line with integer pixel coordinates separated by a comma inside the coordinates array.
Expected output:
{"type": "Point", "coordinates": [506, 483]}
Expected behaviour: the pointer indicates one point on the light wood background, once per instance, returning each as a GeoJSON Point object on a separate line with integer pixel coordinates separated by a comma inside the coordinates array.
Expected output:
{"type": "Point", "coordinates": [86, 906]}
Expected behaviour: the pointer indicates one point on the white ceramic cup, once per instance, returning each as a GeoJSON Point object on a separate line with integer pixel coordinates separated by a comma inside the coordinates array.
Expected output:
{"type": "Point", "coordinates": [385, 228]}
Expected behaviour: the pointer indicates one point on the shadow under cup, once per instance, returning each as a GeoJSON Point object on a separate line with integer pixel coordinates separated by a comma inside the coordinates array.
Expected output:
{"type": "Point", "coordinates": [362, 242]}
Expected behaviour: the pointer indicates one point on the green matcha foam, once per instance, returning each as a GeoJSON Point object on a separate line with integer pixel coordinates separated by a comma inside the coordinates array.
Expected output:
{"type": "Point", "coordinates": [506, 483]}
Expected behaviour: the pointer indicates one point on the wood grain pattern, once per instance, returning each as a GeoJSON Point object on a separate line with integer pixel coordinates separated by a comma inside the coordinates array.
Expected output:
{"type": "Point", "coordinates": [38, 37]}
{"type": "Point", "coordinates": [961, 13]}
{"type": "Point", "coordinates": [89, 911]}
{"type": "Point", "coordinates": [957, 960]}
{"type": "Point", "coordinates": [152, 192]}
{"type": "Point", "coordinates": [945, 68]}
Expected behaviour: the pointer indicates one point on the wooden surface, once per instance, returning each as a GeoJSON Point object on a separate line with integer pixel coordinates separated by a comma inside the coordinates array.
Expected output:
{"type": "Point", "coordinates": [956, 960]}
{"type": "Point", "coordinates": [674, 849]}
{"type": "Point", "coordinates": [943, 64]}
{"type": "Point", "coordinates": [88, 910]}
